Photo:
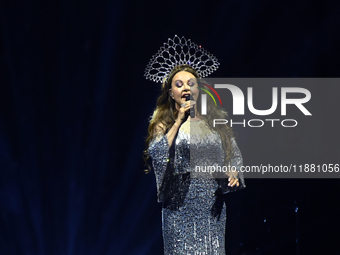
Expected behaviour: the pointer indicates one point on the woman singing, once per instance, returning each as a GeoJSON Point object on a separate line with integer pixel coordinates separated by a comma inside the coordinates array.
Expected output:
{"type": "Point", "coordinates": [186, 152]}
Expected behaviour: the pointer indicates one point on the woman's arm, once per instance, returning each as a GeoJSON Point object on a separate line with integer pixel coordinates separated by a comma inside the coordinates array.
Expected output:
{"type": "Point", "coordinates": [182, 117]}
{"type": "Point", "coordinates": [235, 176]}
{"type": "Point", "coordinates": [159, 151]}
{"type": "Point", "coordinates": [173, 131]}
{"type": "Point", "coordinates": [161, 143]}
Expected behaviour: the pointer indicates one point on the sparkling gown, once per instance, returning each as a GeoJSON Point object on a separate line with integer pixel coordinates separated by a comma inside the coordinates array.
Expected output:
{"type": "Point", "coordinates": [190, 228]}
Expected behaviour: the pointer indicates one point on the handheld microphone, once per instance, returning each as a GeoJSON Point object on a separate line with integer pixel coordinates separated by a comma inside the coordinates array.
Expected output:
{"type": "Point", "coordinates": [192, 109]}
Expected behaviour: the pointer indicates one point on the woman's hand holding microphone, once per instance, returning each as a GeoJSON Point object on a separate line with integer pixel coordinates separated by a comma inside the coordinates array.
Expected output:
{"type": "Point", "coordinates": [184, 111]}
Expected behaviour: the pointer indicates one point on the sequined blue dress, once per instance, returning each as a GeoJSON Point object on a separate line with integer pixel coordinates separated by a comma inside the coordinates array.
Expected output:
{"type": "Point", "coordinates": [190, 228]}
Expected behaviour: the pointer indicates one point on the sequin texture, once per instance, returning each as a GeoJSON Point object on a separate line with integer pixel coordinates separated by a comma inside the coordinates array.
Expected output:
{"type": "Point", "coordinates": [191, 229]}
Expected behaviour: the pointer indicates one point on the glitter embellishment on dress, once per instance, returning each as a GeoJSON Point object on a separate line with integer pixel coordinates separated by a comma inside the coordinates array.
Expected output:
{"type": "Point", "coordinates": [191, 229]}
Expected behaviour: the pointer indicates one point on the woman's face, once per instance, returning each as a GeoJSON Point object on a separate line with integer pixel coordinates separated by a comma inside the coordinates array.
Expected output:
{"type": "Point", "coordinates": [183, 83]}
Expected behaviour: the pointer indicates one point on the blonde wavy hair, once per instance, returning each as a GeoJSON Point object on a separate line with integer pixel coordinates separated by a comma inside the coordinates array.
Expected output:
{"type": "Point", "coordinates": [166, 113]}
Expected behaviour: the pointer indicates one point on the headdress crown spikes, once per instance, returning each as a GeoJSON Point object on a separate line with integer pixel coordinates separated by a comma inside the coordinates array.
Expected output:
{"type": "Point", "coordinates": [180, 51]}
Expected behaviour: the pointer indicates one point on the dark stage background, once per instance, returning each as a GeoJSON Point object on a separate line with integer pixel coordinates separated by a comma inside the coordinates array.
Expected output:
{"type": "Point", "coordinates": [74, 111]}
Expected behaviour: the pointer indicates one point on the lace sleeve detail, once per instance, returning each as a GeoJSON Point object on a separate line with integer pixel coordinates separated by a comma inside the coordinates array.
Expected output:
{"type": "Point", "coordinates": [159, 153]}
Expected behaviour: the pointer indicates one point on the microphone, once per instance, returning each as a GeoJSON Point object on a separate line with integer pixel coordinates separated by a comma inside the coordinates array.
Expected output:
{"type": "Point", "coordinates": [192, 109]}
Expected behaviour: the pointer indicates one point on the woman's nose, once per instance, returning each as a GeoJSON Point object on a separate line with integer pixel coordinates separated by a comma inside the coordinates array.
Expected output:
{"type": "Point", "coordinates": [186, 86]}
